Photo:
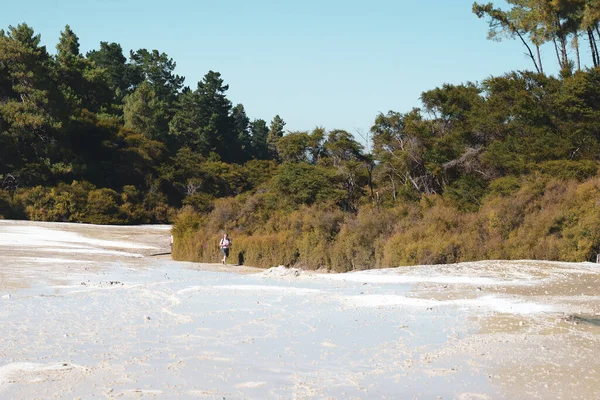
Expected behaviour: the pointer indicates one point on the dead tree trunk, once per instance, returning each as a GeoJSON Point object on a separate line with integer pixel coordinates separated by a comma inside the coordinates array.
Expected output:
{"type": "Point", "coordinates": [576, 45]}
{"type": "Point", "coordinates": [539, 57]}
{"type": "Point", "coordinates": [557, 53]}
{"type": "Point", "coordinates": [593, 47]}
{"type": "Point", "coordinates": [535, 64]}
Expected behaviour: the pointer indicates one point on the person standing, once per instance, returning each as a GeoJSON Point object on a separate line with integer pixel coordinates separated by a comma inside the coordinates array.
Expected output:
{"type": "Point", "coordinates": [225, 244]}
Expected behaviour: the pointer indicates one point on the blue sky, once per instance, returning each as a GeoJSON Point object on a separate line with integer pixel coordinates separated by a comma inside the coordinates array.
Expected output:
{"type": "Point", "coordinates": [326, 63]}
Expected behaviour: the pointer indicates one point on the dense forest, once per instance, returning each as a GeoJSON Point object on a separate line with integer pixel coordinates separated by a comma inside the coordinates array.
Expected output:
{"type": "Point", "coordinates": [102, 138]}
{"type": "Point", "coordinates": [504, 168]}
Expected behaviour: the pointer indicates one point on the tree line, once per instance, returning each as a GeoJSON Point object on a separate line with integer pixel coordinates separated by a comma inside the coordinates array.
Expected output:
{"type": "Point", "coordinates": [103, 122]}
{"type": "Point", "coordinates": [503, 168]}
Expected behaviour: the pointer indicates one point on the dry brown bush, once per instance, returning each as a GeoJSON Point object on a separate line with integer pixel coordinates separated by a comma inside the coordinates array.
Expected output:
{"type": "Point", "coordinates": [538, 218]}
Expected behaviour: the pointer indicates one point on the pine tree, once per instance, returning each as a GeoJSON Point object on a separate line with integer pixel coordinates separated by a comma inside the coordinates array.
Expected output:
{"type": "Point", "coordinates": [29, 129]}
{"type": "Point", "coordinates": [144, 113]}
{"type": "Point", "coordinates": [275, 133]}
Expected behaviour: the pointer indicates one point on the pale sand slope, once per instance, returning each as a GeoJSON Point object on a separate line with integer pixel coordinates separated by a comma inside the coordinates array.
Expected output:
{"type": "Point", "coordinates": [85, 311]}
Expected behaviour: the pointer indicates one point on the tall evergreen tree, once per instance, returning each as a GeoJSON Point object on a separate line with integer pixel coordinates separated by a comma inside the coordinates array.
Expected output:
{"type": "Point", "coordinates": [275, 133]}
{"type": "Point", "coordinates": [203, 120]}
{"type": "Point", "coordinates": [144, 113]}
{"type": "Point", "coordinates": [260, 132]}
{"type": "Point", "coordinates": [157, 68]}
{"type": "Point", "coordinates": [123, 76]}
{"type": "Point", "coordinates": [83, 85]}
{"type": "Point", "coordinates": [29, 106]}
{"type": "Point", "coordinates": [67, 47]}
{"type": "Point", "coordinates": [241, 124]}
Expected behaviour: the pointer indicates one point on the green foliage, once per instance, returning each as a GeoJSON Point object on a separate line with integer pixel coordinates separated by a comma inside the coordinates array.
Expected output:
{"type": "Point", "coordinates": [537, 22]}
{"type": "Point", "coordinates": [203, 121]}
{"type": "Point", "coordinates": [539, 219]}
{"type": "Point", "coordinates": [9, 209]}
{"type": "Point", "coordinates": [144, 113]}
{"type": "Point", "coordinates": [102, 205]}
{"type": "Point", "coordinates": [296, 147]}
{"type": "Point", "coordinates": [201, 203]}
{"type": "Point", "coordinates": [82, 202]}
{"type": "Point", "coordinates": [259, 144]}
{"type": "Point", "coordinates": [505, 168]}
{"type": "Point", "coordinates": [121, 76]}
{"type": "Point", "coordinates": [306, 184]}
{"type": "Point", "coordinates": [275, 133]}
{"type": "Point", "coordinates": [505, 186]}
{"type": "Point", "coordinates": [241, 127]}
{"type": "Point", "coordinates": [29, 127]}
{"type": "Point", "coordinates": [569, 169]}
{"type": "Point", "coordinates": [360, 243]}
{"type": "Point", "coordinates": [157, 69]}
{"type": "Point", "coordinates": [466, 192]}
{"type": "Point", "coordinates": [65, 203]}
{"type": "Point", "coordinates": [79, 81]}
{"type": "Point", "coordinates": [259, 172]}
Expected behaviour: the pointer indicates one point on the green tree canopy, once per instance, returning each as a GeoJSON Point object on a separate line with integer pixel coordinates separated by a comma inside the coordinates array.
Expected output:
{"type": "Point", "coordinates": [157, 69]}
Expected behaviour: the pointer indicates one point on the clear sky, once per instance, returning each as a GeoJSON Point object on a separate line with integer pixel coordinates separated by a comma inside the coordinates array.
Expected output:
{"type": "Point", "coordinates": [328, 63]}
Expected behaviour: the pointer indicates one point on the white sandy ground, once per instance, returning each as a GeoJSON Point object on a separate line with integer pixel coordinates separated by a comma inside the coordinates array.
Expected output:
{"type": "Point", "coordinates": [87, 311]}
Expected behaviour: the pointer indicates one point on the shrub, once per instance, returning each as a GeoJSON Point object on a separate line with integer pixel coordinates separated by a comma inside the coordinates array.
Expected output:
{"type": "Point", "coordinates": [505, 186]}
{"type": "Point", "coordinates": [542, 218]}
{"type": "Point", "coordinates": [305, 184]}
{"type": "Point", "coordinates": [9, 208]}
{"type": "Point", "coordinates": [569, 169]}
{"type": "Point", "coordinates": [102, 207]}
{"type": "Point", "coordinates": [200, 202]}
{"type": "Point", "coordinates": [362, 238]}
